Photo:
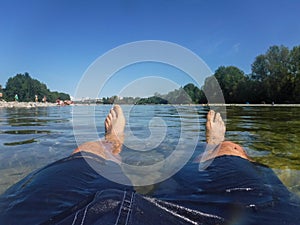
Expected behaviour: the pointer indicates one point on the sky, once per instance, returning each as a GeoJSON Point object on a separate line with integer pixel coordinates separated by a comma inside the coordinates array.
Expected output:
{"type": "Point", "coordinates": [57, 41]}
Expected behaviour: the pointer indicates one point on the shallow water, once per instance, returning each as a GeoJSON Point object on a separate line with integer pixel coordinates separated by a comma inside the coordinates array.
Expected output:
{"type": "Point", "coordinates": [32, 138]}
{"type": "Point", "coordinates": [271, 136]}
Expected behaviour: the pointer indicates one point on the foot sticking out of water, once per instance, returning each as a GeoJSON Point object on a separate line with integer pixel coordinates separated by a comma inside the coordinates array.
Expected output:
{"type": "Point", "coordinates": [215, 136]}
{"type": "Point", "coordinates": [111, 146]}
{"type": "Point", "coordinates": [114, 128]}
{"type": "Point", "coordinates": [215, 128]}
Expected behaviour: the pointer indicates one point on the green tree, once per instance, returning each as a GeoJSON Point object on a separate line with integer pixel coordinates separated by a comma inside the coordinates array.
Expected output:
{"type": "Point", "coordinates": [27, 87]}
{"type": "Point", "coordinates": [230, 78]}
{"type": "Point", "coordinates": [272, 73]}
{"type": "Point", "coordinates": [152, 100]}
{"type": "Point", "coordinates": [295, 73]}
{"type": "Point", "coordinates": [212, 90]}
{"type": "Point", "coordinates": [196, 94]}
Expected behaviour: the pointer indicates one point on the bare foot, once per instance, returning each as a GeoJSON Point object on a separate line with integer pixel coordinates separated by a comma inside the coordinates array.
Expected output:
{"type": "Point", "coordinates": [215, 128]}
{"type": "Point", "coordinates": [114, 128]}
{"type": "Point", "coordinates": [215, 135]}
{"type": "Point", "coordinates": [114, 137]}
{"type": "Point", "coordinates": [115, 122]}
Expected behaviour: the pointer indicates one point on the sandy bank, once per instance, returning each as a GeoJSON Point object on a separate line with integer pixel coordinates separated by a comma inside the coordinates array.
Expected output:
{"type": "Point", "coordinates": [4, 104]}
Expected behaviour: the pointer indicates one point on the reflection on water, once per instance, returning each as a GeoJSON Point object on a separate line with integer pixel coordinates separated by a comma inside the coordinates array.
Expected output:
{"type": "Point", "coordinates": [32, 138]}
{"type": "Point", "coordinates": [21, 142]}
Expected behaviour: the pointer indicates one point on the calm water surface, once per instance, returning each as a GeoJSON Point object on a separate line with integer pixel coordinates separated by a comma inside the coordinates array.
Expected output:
{"type": "Point", "coordinates": [32, 138]}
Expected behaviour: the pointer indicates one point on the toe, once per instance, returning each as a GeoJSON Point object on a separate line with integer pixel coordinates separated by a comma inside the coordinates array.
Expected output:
{"type": "Point", "coordinates": [109, 116]}
{"type": "Point", "coordinates": [118, 110]}
{"type": "Point", "coordinates": [113, 113]}
{"type": "Point", "coordinates": [217, 118]}
{"type": "Point", "coordinates": [107, 122]}
{"type": "Point", "coordinates": [210, 115]}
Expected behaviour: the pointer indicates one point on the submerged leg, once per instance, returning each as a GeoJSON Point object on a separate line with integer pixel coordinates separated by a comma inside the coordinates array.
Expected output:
{"type": "Point", "coordinates": [111, 146]}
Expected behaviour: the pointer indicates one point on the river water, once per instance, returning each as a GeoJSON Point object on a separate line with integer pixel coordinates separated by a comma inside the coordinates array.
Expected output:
{"type": "Point", "coordinates": [32, 138]}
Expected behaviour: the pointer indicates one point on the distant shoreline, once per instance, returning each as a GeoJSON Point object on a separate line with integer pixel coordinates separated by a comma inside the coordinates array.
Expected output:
{"type": "Point", "coordinates": [259, 105]}
{"type": "Point", "coordinates": [13, 104]}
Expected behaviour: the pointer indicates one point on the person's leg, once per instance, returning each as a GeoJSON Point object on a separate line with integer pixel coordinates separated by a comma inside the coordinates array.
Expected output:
{"type": "Point", "coordinates": [251, 191]}
{"type": "Point", "coordinates": [57, 187]}
{"type": "Point", "coordinates": [110, 147]}
{"type": "Point", "coordinates": [215, 136]}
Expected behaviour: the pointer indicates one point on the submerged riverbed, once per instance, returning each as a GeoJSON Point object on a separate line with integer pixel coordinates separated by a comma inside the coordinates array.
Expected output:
{"type": "Point", "coordinates": [33, 137]}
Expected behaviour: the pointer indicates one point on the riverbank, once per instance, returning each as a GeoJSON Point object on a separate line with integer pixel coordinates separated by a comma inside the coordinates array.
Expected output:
{"type": "Point", "coordinates": [259, 105]}
{"type": "Point", "coordinates": [4, 104]}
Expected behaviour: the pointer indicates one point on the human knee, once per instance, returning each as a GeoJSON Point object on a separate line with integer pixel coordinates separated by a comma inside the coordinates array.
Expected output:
{"type": "Point", "coordinates": [231, 148]}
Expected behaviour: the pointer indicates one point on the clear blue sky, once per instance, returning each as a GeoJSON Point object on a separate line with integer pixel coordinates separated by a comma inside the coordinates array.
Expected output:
{"type": "Point", "coordinates": [56, 40]}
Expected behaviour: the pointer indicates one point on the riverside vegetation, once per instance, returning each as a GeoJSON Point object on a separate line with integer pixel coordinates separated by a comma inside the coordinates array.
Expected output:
{"type": "Point", "coordinates": [274, 77]}
{"type": "Point", "coordinates": [27, 88]}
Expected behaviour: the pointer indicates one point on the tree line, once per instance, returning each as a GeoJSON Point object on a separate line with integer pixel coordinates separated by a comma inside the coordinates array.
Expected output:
{"type": "Point", "coordinates": [188, 94]}
{"type": "Point", "coordinates": [274, 77]}
{"type": "Point", "coordinates": [27, 88]}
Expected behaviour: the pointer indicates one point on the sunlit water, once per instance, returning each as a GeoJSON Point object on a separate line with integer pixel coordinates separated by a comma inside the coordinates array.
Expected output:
{"type": "Point", "coordinates": [32, 138]}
